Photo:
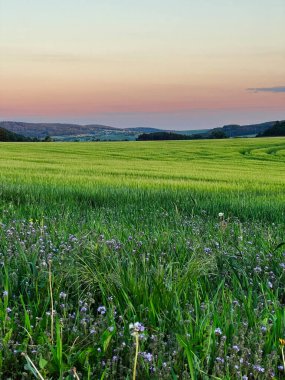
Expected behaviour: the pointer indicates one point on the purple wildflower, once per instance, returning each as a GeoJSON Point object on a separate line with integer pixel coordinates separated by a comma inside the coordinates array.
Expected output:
{"type": "Point", "coordinates": [102, 310]}
{"type": "Point", "coordinates": [218, 331]}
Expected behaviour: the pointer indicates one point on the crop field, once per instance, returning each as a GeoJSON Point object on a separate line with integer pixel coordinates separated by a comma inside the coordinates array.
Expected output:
{"type": "Point", "coordinates": [143, 260]}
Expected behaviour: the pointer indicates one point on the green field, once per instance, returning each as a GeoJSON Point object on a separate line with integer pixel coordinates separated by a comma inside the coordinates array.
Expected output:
{"type": "Point", "coordinates": [95, 236]}
{"type": "Point", "coordinates": [243, 176]}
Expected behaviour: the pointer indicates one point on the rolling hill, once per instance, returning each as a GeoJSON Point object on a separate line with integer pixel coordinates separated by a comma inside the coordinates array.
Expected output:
{"type": "Point", "coordinates": [6, 135]}
{"type": "Point", "coordinates": [96, 132]}
{"type": "Point", "coordinates": [277, 129]}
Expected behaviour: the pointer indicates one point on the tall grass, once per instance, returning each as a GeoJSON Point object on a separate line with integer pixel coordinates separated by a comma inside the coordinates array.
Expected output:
{"type": "Point", "coordinates": [94, 237]}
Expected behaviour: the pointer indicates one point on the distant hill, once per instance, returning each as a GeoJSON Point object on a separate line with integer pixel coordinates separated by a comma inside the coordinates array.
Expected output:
{"type": "Point", "coordinates": [193, 131]}
{"type": "Point", "coordinates": [98, 132]}
{"type": "Point", "coordinates": [6, 136]}
{"type": "Point", "coordinates": [271, 128]}
{"type": "Point", "coordinates": [235, 130]}
{"type": "Point", "coordinates": [277, 129]}
{"type": "Point", "coordinates": [143, 130]}
{"type": "Point", "coordinates": [154, 130]}
{"type": "Point", "coordinates": [71, 132]}
{"type": "Point", "coordinates": [41, 130]}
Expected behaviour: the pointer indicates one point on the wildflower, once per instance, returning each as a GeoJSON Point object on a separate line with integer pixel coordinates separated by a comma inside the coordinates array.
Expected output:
{"type": "Point", "coordinates": [263, 328]}
{"type": "Point", "coordinates": [220, 360]}
{"type": "Point", "coordinates": [62, 295]}
{"type": "Point", "coordinates": [218, 331]}
{"type": "Point", "coordinates": [8, 310]}
{"type": "Point", "coordinates": [221, 214]}
{"type": "Point", "coordinates": [111, 328]}
{"type": "Point", "coordinates": [5, 293]}
{"type": "Point", "coordinates": [102, 310]}
{"type": "Point", "coordinates": [258, 368]}
{"type": "Point", "coordinates": [136, 328]}
{"type": "Point", "coordinates": [83, 321]}
{"type": "Point", "coordinates": [282, 341]}
{"type": "Point", "coordinates": [236, 348]}
{"type": "Point", "coordinates": [147, 356]}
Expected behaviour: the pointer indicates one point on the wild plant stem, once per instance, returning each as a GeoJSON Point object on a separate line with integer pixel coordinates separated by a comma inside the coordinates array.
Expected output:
{"type": "Point", "coordinates": [74, 373]}
{"type": "Point", "coordinates": [136, 356]}
{"type": "Point", "coordinates": [51, 301]}
{"type": "Point", "coordinates": [29, 360]}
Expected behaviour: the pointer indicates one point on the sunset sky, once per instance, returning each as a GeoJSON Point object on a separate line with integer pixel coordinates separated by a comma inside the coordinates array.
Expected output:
{"type": "Point", "coordinates": [179, 64]}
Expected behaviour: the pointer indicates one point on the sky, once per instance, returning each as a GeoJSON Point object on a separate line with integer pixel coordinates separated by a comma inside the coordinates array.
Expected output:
{"type": "Point", "coordinates": [175, 64]}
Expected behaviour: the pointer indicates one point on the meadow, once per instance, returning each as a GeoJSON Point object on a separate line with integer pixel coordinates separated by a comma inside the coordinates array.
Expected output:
{"type": "Point", "coordinates": [142, 260]}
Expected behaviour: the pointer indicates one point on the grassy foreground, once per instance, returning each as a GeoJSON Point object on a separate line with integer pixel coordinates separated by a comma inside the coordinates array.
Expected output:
{"type": "Point", "coordinates": [95, 237]}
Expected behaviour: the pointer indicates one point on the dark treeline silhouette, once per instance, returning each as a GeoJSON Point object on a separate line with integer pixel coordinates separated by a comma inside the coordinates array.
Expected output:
{"type": "Point", "coordinates": [278, 129]}
{"type": "Point", "coordinates": [215, 134]}
{"type": "Point", "coordinates": [166, 136]}
{"type": "Point", "coordinates": [6, 135]}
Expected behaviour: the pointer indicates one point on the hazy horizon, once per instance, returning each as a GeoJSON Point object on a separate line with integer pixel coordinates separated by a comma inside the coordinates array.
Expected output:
{"type": "Point", "coordinates": [123, 124]}
{"type": "Point", "coordinates": [160, 64]}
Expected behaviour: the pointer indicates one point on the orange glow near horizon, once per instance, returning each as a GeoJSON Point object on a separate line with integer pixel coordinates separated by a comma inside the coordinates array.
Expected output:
{"type": "Point", "coordinates": [190, 57]}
